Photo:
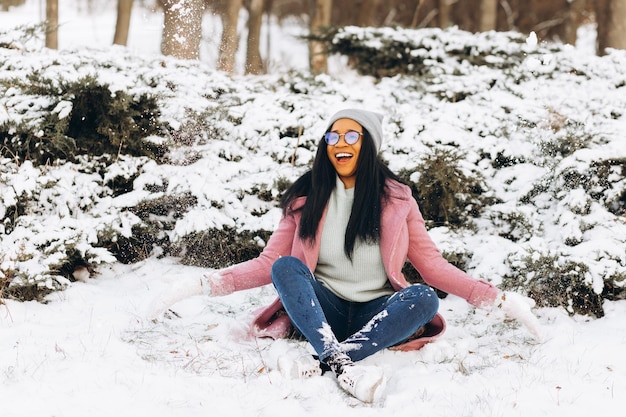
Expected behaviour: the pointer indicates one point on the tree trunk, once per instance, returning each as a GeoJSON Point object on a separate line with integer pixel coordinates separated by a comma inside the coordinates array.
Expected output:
{"type": "Point", "coordinates": [124, 9]}
{"type": "Point", "coordinates": [254, 63]}
{"type": "Point", "coordinates": [182, 28]}
{"type": "Point", "coordinates": [444, 13]}
{"type": "Point", "coordinates": [573, 20]}
{"type": "Point", "coordinates": [320, 19]}
{"type": "Point", "coordinates": [616, 33]}
{"type": "Point", "coordinates": [367, 13]}
{"type": "Point", "coordinates": [488, 16]}
{"type": "Point", "coordinates": [601, 10]}
{"type": "Point", "coordinates": [230, 39]}
{"type": "Point", "coordinates": [52, 24]}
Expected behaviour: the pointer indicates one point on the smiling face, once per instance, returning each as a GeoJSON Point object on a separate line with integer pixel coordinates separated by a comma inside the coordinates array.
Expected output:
{"type": "Point", "coordinates": [342, 156]}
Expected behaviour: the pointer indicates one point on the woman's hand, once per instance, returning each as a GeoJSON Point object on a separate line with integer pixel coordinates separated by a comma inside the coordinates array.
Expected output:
{"type": "Point", "coordinates": [184, 288]}
{"type": "Point", "coordinates": [205, 282]}
{"type": "Point", "coordinates": [517, 307]}
{"type": "Point", "coordinates": [214, 284]}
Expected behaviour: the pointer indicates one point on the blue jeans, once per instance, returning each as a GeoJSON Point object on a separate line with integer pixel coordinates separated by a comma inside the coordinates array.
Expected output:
{"type": "Point", "coordinates": [332, 324]}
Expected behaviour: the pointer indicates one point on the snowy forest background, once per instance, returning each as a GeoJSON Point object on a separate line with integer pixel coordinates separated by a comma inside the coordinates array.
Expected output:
{"type": "Point", "coordinates": [110, 156]}
{"type": "Point", "coordinates": [125, 171]}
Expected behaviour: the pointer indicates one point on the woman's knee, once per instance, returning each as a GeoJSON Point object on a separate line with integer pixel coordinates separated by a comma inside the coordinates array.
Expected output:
{"type": "Point", "coordinates": [287, 267]}
{"type": "Point", "coordinates": [423, 295]}
{"type": "Point", "coordinates": [285, 262]}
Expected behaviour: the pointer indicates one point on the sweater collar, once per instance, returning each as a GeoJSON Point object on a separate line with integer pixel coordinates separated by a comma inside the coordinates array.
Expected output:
{"type": "Point", "coordinates": [341, 191]}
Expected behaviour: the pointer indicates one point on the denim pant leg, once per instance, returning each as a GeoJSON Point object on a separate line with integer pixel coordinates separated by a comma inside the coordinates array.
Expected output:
{"type": "Point", "coordinates": [296, 287]}
{"type": "Point", "coordinates": [404, 313]}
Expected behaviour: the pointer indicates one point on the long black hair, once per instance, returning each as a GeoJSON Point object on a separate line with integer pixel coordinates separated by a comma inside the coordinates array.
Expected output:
{"type": "Point", "coordinates": [369, 193]}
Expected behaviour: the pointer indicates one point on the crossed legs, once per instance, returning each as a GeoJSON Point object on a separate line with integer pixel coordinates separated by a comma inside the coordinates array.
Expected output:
{"type": "Point", "coordinates": [334, 326]}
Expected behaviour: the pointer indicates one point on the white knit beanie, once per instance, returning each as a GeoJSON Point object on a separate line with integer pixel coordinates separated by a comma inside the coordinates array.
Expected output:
{"type": "Point", "coordinates": [370, 121]}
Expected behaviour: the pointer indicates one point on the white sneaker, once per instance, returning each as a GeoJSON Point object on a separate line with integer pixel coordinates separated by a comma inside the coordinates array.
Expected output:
{"type": "Point", "coordinates": [301, 367]}
{"type": "Point", "coordinates": [366, 383]}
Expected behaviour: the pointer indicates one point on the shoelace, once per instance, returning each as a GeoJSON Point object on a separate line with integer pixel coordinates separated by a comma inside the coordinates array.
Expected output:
{"type": "Point", "coordinates": [338, 361]}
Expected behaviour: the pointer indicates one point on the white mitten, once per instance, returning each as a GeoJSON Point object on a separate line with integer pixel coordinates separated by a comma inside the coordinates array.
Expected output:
{"type": "Point", "coordinates": [215, 284]}
{"type": "Point", "coordinates": [181, 289]}
{"type": "Point", "coordinates": [517, 307]}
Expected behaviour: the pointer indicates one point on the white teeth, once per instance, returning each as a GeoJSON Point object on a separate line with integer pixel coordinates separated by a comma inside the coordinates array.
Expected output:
{"type": "Point", "coordinates": [343, 155]}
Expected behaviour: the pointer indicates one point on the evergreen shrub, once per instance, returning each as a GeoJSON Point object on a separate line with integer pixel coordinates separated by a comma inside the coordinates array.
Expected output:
{"type": "Point", "coordinates": [555, 281]}
{"type": "Point", "coordinates": [149, 236]}
{"type": "Point", "coordinates": [219, 248]}
{"type": "Point", "coordinates": [82, 117]}
{"type": "Point", "coordinates": [615, 286]}
{"type": "Point", "coordinates": [22, 37]}
{"type": "Point", "coordinates": [385, 52]}
{"type": "Point", "coordinates": [446, 193]}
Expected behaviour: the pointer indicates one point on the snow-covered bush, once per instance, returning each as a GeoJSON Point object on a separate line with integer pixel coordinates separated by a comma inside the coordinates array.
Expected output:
{"type": "Point", "coordinates": [26, 37]}
{"type": "Point", "coordinates": [384, 52]}
{"type": "Point", "coordinates": [52, 221]}
{"type": "Point", "coordinates": [447, 193]}
{"type": "Point", "coordinates": [218, 248]}
{"type": "Point", "coordinates": [553, 280]}
{"type": "Point", "coordinates": [76, 117]}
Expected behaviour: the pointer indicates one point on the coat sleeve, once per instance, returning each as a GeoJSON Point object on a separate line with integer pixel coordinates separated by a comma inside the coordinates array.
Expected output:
{"type": "Point", "coordinates": [257, 272]}
{"type": "Point", "coordinates": [437, 271]}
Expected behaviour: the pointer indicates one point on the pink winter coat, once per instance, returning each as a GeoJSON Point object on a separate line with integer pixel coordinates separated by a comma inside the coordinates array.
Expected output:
{"type": "Point", "coordinates": [403, 236]}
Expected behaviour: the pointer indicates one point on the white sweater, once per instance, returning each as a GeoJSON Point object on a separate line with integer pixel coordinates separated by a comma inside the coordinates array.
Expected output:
{"type": "Point", "coordinates": [363, 279]}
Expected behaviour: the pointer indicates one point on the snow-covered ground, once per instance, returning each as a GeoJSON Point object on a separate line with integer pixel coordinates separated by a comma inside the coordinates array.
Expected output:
{"type": "Point", "coordinates": [94, 349]}
{"type": "Point", "coordinates": [91, 351]}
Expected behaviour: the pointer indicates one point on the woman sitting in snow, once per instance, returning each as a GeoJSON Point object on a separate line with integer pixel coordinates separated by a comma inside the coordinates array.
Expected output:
{"type": "Point", "coordinates": [348, 226]}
